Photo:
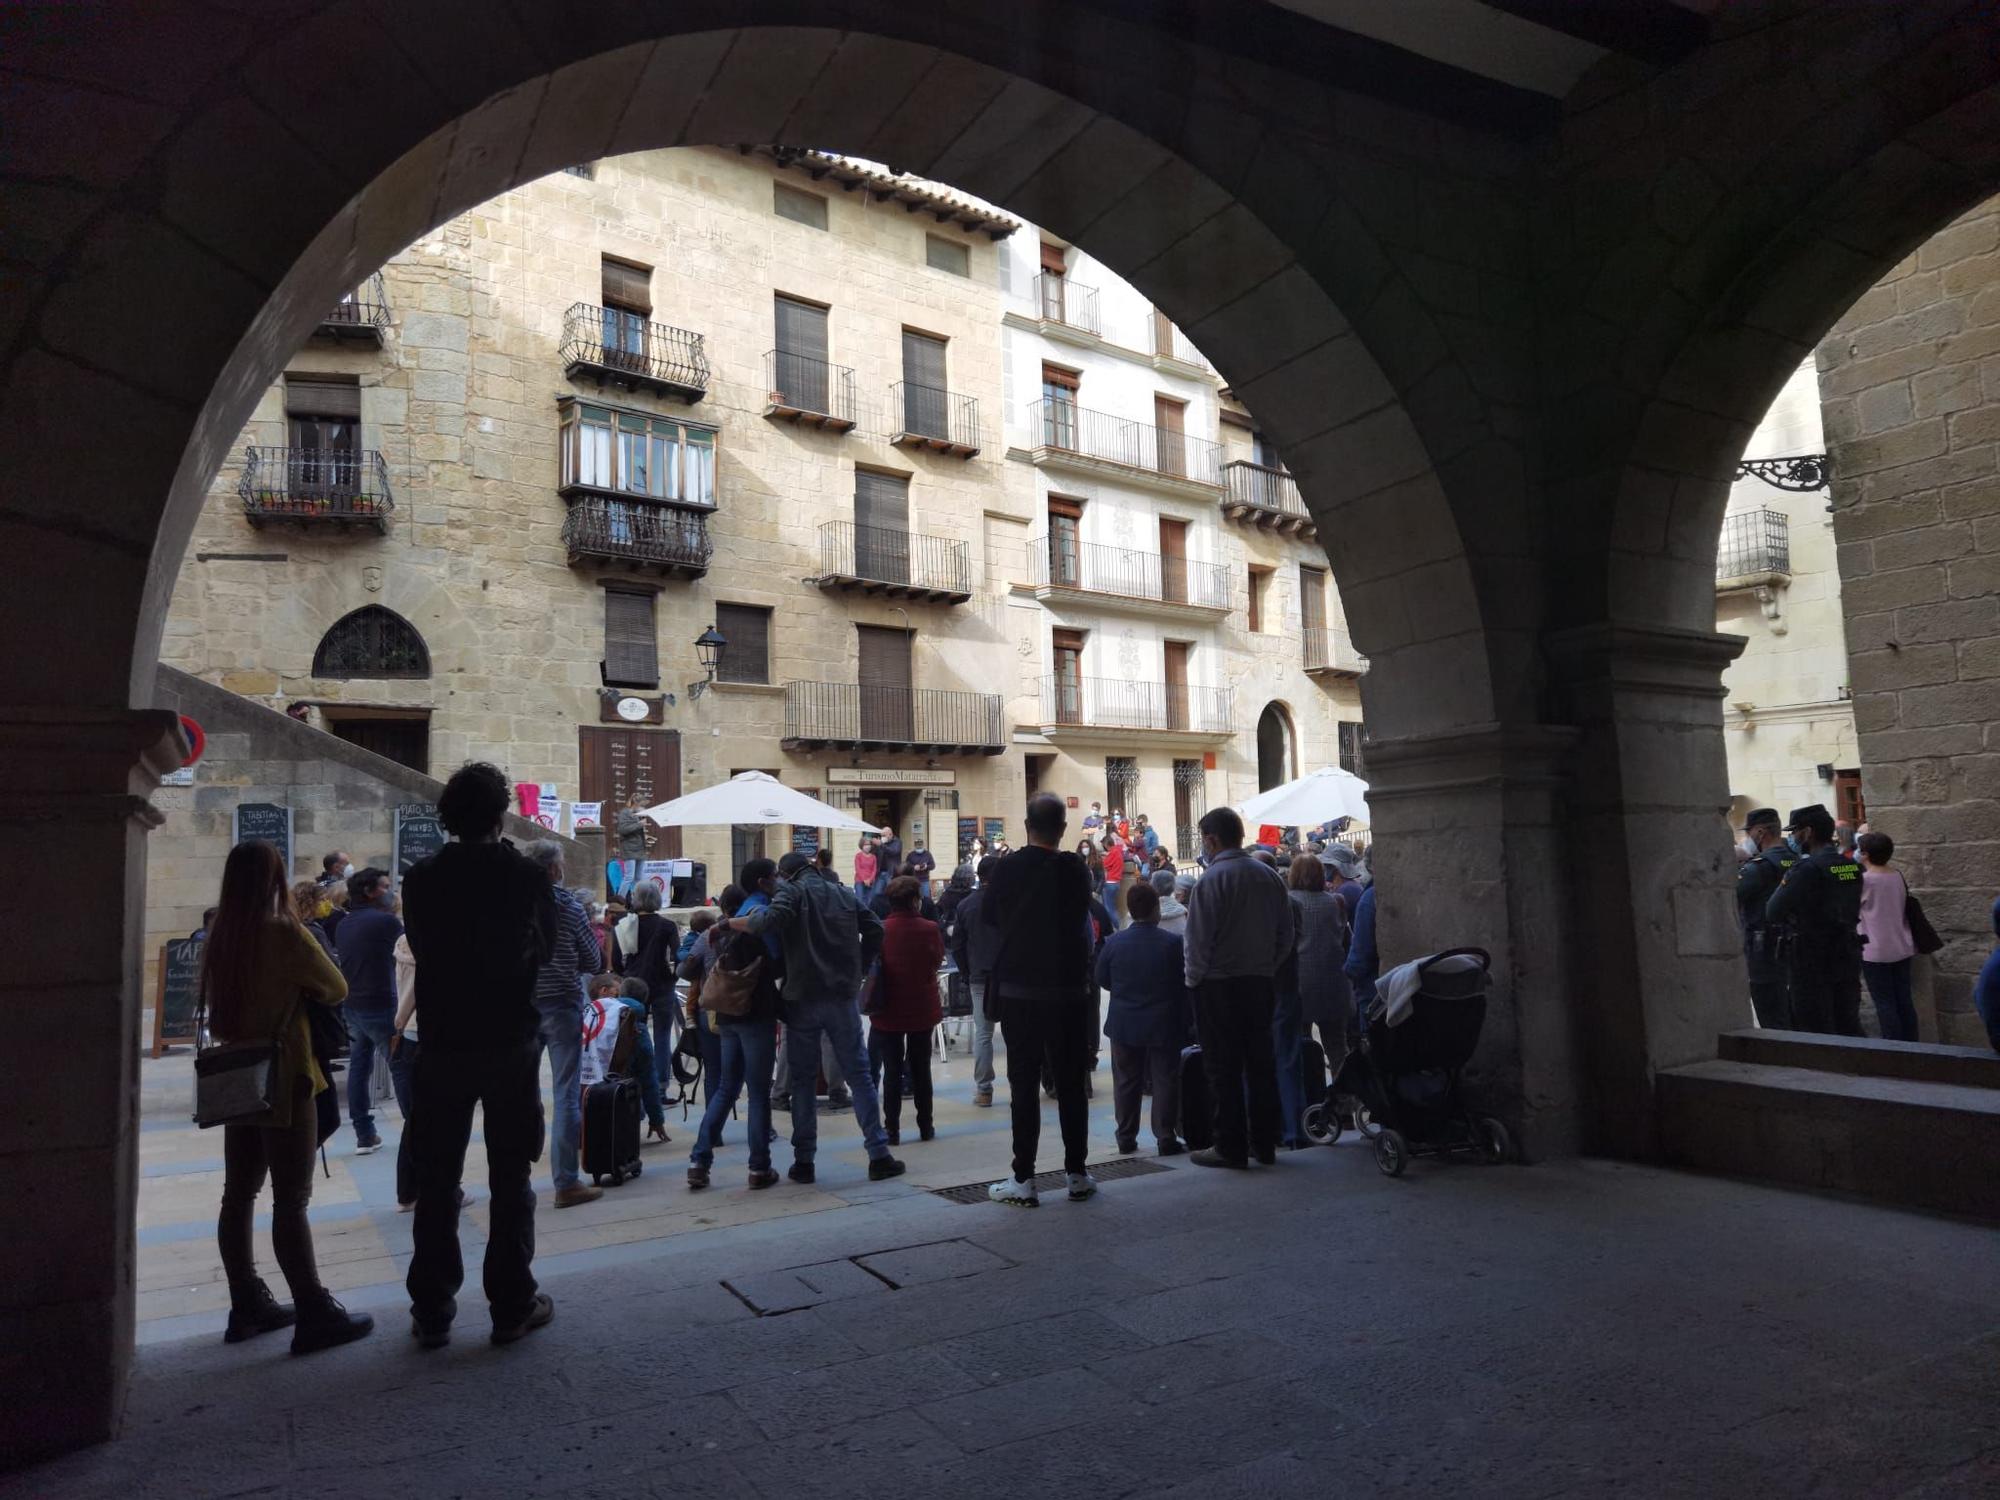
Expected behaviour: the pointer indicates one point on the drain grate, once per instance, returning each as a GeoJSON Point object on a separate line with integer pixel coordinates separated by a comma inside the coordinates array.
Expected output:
{"type": "Point", "coordinates": [1049, 1182]}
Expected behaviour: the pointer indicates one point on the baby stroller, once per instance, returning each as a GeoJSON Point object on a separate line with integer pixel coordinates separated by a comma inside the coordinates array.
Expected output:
{"type": "Point", "coordinates": [1400, 1085]}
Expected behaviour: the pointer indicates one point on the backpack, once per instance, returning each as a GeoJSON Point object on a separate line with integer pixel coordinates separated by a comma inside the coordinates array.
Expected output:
{"type": "Point", "coordinates": [731, 986]}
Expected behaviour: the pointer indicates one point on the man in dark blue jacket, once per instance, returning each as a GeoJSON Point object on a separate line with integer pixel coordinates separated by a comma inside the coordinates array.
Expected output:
{"type": "Point", "coordinates": [1149, 1022]}
{"type": "Point", "coordinates": [366, 948]}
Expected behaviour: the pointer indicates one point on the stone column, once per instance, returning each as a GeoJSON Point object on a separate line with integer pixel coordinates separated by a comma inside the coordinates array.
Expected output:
{"type": "Point", "coordinates": [1655, 959]}
{"type": "Point", "coordinates": [72, 833]}
{"type": "Point", "coordinates": [1468, 850]}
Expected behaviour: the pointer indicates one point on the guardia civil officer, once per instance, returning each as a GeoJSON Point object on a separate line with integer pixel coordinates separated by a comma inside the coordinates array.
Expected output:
{"type": "Point", "coordinates": [1817, 906]}
{"type": "Point", "coordinates": [1768, 857]}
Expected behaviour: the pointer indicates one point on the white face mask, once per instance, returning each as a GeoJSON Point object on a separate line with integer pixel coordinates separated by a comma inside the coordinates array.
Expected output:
{"type": "Point", "coordinates": [346, 871]}
{"type": "Point", "coordinates": [1748, 846]}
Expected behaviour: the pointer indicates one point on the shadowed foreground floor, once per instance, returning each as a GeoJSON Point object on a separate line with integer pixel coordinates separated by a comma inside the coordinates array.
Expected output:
{"type": "Point", "coordinates": [1313, 1329]}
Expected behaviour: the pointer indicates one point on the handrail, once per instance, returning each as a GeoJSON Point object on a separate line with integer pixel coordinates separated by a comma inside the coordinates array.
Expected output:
{"type": "Point", "coordinates": [1058, 562]}
{"type": "Point", "coordinates": [636, 531]}
{"type": "Point", "coordinates": [934, 414]}
{"type": "Point", "coordinates": [800, 383]}
{"type": "Point", "coordinates": [882, 554]}
{"type": "Point", "coordinates": [850, 712]}
{"type": "Point", "coordinates": [1265, 487]}
{"type": "Point", "coordinates": [1057, 299]}
{"type": "Point", "coordinates": [1116, 703]}
{"type": "Point", "coordinates": [1066, 427]}
{"type": "Point", "coordinates": [611, 340]}
{"type": "Point", "coordinates": [316, 483]}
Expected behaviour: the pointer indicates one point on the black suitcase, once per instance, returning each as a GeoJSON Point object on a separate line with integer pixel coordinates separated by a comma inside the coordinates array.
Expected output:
{"type": "Point", "coordinates": [1197, 1108]}
{"type": "Point", "coordinates": [610, 1146]}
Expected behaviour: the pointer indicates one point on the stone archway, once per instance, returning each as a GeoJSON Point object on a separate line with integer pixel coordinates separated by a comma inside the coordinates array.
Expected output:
{"type": "Point", "coordinates": [1277, 747]}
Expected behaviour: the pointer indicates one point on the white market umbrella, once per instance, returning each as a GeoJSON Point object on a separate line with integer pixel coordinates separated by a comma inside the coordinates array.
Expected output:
{"type": "Point", "coordinates": [1315, 798]}
{"type": "Point", "coordinates": [753, 797]}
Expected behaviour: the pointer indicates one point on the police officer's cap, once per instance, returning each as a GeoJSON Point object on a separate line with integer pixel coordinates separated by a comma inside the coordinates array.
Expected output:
{"type": "Point", "coordinates": [1815, 817]}
{"type": "Point", "coordinates": [1759, 816]}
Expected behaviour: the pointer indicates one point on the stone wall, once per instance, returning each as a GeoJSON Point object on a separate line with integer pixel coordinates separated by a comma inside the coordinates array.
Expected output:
{"type": "Point", "coordinates": [1910, 388]}
{"type": "Point", "coordinates": [341, 796]}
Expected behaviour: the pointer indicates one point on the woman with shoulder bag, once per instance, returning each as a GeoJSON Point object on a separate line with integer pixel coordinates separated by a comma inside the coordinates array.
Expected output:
{"type": "Point", "coordinates": [739, 1018]}
{"type": "Point", "coordinates": [903, 1008]}
{"type": "Point", "coordinates": [1887, 943]}
{"type": "Point", "coordinates": [260, 968]}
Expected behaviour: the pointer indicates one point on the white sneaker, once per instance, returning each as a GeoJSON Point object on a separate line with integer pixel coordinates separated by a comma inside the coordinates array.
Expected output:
{"type": "Point", "coordinates": [1081, 1186]}
{"type": "Point", "coordinates": [1016, 1194]}
{"type": "Point", "coordinates": [368, 1148]}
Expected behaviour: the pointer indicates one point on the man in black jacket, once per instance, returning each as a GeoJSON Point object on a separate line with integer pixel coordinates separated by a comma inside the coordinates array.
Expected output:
{"type": "Point", "coordinates": [1036, 906]}
{"type": "Point", "coordinates": [481, 919]}
{"type": "Point", "coordinates": [972, 950]}
{"type": "Point", "coordinates": [366, 952]}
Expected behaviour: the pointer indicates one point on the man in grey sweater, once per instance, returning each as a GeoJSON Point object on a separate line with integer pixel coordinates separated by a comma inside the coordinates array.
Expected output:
{"type": "Point", "coordinates": [1239, 933]}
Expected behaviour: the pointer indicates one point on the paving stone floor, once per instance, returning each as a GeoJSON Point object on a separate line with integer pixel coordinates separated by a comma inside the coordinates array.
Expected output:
{"type": "Point", "coordinates": [1579, 1329]}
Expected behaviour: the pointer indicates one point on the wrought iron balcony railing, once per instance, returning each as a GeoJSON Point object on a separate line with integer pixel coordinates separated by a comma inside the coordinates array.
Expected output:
{"type": "Point", "coordinates": [1063, 427]}
{"type": "Point", "coordinates": [903, 564]}
{"type": "Point", "coordinates": [1330, 649]}
{"type": "Point", "coordinates": [1170, 343]}
{"type": "Point", "coordinates": [340, 486]}
{"type": "Point", "coordinates": [846, 714]}
{"type": "Point", "coordinates": [927, 416]}
{"type": "Point", "coordinates": [1088, 567]}
{"type": "Point", "coordinates": [363, 313]}
{"type": "Point", "coordinates": [1756, 547]}
{"type": "Point", "coordinates": [637, 534]}
{"type": "Point", "coordinates": [1264, 496]}
{"type": "Point", "coordinates": [608, 344]}
{"type": "Point", "coordinates": [807, 390]}
{"type": "Point", "coordinates": [1114, 703]}
{"type": "Point", "coordinates": [1059, 300]}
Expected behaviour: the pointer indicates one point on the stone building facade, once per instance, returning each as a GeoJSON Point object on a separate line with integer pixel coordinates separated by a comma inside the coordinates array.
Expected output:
{"type": "Point", "coordinates": [1910, 386]}
{"type": "Point", "coordinates": [1787, 716]}
{"type": "Point", "coordinates": [823, 382]}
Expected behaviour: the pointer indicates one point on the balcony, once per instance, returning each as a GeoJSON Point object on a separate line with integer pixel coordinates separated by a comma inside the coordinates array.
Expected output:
{"type": "Point", "coordinates": [618, 349]}
{"type": "Point", "coordinates": [1064, 310]}
{"type": "Point", "coordinates": [850, 716]}
{"type": "Point", "coordinates": [1329, 651]}
{"type": "Point", "coordinates": [893, 564]}
{"type": "Point", "coordinates": [362, 315]}
{"type": "Point", "coordinates": [1094, 443]}
{"type": "Point", "coordinates": [1266, 498]}
{"type": "Point", "coordinates": [337, 487]}
{"type": "Point", "coordinates": [637, 536]}
{"type": "Point", "coordinates": [1755, 551]}
{"type": "Point", "coordinates": [1099, 578]}
{"type": "Point", "coordinates": [1173, 354]}
{"type": "Point", "coordinates": [809, 392]}
{"type": "Point", "coordinates": [1108, 708]}
{"type": "Point", "coordinates": [936, 420]}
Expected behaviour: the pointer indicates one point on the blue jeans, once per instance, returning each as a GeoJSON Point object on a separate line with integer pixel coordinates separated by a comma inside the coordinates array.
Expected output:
{"type": "Point", "coordinates": [368, 1034]}
{"type": "Point", "coordinates": [1889, 988]}
{"type": "Point", "coordinates": [839, 1021]}
{"type": "Point", "coordinates": [749, 1050]}
{"type": "Point", "coordinates": [562, 1034]}
{"type": "Point", "coordinates": [1288, 1038]}
{"type": "Point", "coordinates": [663, 1045]}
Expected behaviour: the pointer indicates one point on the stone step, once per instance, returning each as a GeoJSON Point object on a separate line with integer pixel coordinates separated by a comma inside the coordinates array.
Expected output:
{"type": "Point", "coordinates": [1923, 1062]}
{"type": "Point", "coordinates": [1896, 1140]}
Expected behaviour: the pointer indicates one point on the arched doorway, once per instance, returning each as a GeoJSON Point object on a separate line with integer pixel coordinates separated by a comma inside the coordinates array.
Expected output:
{"type": "Point", "coordinates": [1277, 747]}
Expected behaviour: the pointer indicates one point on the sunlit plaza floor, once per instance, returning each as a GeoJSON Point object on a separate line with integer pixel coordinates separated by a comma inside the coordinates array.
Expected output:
{"type": "Point", "coordinates": [1584, 1328]}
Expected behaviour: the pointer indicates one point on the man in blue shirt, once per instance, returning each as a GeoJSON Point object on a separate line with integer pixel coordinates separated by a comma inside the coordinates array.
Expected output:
{"type": "Point", "coordinates": [367, 954]}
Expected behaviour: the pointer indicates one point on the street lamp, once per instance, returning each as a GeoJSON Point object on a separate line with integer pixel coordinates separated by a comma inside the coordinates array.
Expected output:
{"type": "Point", "coordinates": [708, 651]}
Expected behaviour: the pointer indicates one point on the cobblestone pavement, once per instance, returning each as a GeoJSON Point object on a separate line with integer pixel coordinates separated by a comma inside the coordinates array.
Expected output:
{"type": "Point", "coordinates": [1579, 1329]}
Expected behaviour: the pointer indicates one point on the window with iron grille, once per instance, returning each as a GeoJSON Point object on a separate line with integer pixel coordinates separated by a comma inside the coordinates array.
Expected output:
{"type": "Point", "coordinates": [941, 254]}
{"type": "Point", "coordinates": [631, 639]}
{"type": "Point", "coordinates": [801, 207]}
{"type": "Point", "coordinates": [1190, 802]}
{"type": "Point", "coordinates": [1350, 746]}
{"type": "Point", "coordinates": [747, 655]}
{"type": "Point", "coordinates": [1121, 784]}
{"type": "Point", "coordinates": [372, 642]}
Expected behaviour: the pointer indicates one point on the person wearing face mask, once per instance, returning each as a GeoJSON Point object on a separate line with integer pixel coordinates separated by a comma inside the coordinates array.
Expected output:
{"type": "Point", "coordinates": [1818, 903]}
{"type": "Point", "coordinates": [1766, 855]}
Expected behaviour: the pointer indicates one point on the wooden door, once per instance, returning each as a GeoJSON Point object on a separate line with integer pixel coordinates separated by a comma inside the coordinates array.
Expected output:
{"type": "Point", "coordinates": [1059, 398]}
{"type": "Point", "coordinates": [1173, 561]}
{"type": "Point", "coordinates": [617, 766]}
{"type": "Point", "coordinates": [801, 373]}
{"type": "Point", "coordinates": [1163, 334]}
{"type": "Point", "coordinates": [1065, 543]}
{"type": "Point", "coordinates": [884, 684]}
{"type": "Point", "coordinates": [1177, 684]}
{"type": "Point", "coordinates": [1170, 424]}
{"type": "Point", "coordinates": [1068, 682]}
{"type": "Point", "coordinates": [405, 741]}
{"type": "Point", "coordinates": [628, 303]}
{"type": "Point", "coordinates": [881, 527]}
{"type": "Point", "coordinates": [1847, 804]}
{"type": "Point", "coordinates": [924, 404]}
{"type": "Point", "coordinates": [1312, 616]}
{"type": "Point", "coordinates": [1054, 263]}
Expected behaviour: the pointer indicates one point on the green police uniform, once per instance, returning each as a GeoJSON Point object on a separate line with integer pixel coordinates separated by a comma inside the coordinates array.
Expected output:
{"type": "Point", "coordinates": [1817, 906]}
{"type": "Point", "coordinates": [1756, 879]}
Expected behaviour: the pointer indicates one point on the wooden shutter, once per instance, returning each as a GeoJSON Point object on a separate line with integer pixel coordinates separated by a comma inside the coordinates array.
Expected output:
{"type": "Point", "coordinates": [1163, 334]}
{"type": "Point", "coordinates": [1173, 561]}
{"type": "Point", "coordinates": [1169, 420]}
{"type": "Point", "coordinates": [801, 328]}
{"type": "Point", "coordinates": [1177, 684]}
{"type": "Point", "coordinates": [628, 286]}
{"type": "Point", "coordinates": [1312, 597]}
{"type": "Point", "coordinates": [883, 683]}
{"type": "Point", "coordinates": [631, 640]}
{"type": "Point", "coordinates": [923, 359]}
{"type": "Point", "coordinates": [881, 501]}
{"type": "Point", "coordinates": [1053, 259]}
{"type": "Point", "coordinates": [1060, 379]}
{"type": "Point", "coordinates": [1256, 621]}
{"type": "Point", "coordinates": [747, 629]}
{"type": "Point", "coordinates": [316, 396]}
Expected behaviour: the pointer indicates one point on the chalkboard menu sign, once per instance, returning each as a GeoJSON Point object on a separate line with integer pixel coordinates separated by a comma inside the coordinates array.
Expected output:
{"type": "Point", "coordinates": [805, 841]}
{"type": "Point", "coordinates": [996, 830]}
{"type": "Point", "coordinates": [968, 830]}
{"type": "Point", "coordinates": [269, 822]}
{"type": "Point", "coordinates": [174, 997]}
{"type": "Point", "coordinates": [419, 835]}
